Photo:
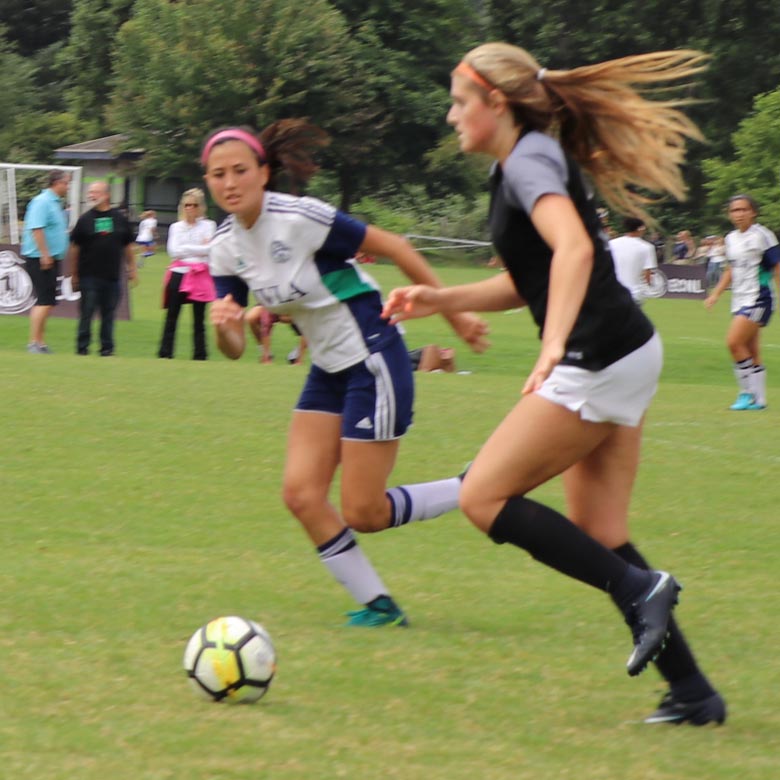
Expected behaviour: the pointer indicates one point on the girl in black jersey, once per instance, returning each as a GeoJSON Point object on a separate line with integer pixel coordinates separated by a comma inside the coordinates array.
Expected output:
{"type": "Point", "coordinates": [583, 403]}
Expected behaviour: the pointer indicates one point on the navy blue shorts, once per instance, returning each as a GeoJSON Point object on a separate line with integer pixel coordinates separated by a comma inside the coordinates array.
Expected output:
{"type": "Point", "coordinates": [375, 398]}
{"type": "Point", "coordinates": [761, 311]}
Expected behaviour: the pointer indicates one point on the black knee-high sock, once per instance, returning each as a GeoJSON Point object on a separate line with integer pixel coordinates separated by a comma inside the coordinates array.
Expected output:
{"type": "Point", "coordinates": [675, 662]}
{"type": "Point", "coordinates": [556, 542]}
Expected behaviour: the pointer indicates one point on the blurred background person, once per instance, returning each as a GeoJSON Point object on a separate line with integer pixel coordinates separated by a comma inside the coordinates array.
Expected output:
{"type": "Point", "coordinates": [684, 249]}
{"type": "Point", "coordinates": [187, 279]}
{"type": "Point", "coordinates": [634, 258]}
{"type": "Point", "coordinates": [432, 357]}
{"type": "Point", "coordinates": [659, 242]}
{"type": "Point", "coordinates": [716, 259]}
{"type": "Point", "coordinates": [44, 244]}
{"type": "Point", "coordinates": [146, 239]}
{"type": "Point", "coordinates": [100, 240]}
{"type": "Point", "coordinates": [753, 255]}
{"type": "Point", "coordinates": [261, 322]}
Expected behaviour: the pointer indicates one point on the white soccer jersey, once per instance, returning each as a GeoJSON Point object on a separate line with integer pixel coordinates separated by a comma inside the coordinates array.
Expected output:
{"type": "Point", "coordinates": [632, 255]}
{"type": "Point", "coordinates": [298, 260]}
{"type": "Point", "coordinates": [751, 264]}
{"type": "Point", "coordinates": [146, 228]}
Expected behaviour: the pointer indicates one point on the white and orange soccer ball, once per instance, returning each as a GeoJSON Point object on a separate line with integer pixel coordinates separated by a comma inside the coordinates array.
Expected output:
{"type": "Point", "coordinates": [230, 659]}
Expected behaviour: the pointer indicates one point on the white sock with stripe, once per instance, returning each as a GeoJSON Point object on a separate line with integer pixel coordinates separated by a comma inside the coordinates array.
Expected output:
{"type": "Point", "coordinates": [743, 369]}
{"type": "Point", "coordinates": [758, 385]}
{"type": "Point", "coordinates": [423, 501]}
{"type": "Point", "coordinates": [349, 566]}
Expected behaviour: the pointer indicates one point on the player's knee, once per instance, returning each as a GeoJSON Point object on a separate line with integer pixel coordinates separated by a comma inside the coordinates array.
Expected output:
{"type": "Point", "coordinates": [301, 500]}
{"type": "Point", "coordinates": [735, 347]}
{"type": "Point", "coordinates": [366, 516]}
{"type": "Point", "coordinates": [479, 511]}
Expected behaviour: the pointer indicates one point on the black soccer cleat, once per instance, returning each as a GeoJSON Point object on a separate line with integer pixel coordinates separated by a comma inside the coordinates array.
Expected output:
{"type": "Point", "coordinates": [648, 618]}
{"type": "Point", "coordinates": [711, 709]}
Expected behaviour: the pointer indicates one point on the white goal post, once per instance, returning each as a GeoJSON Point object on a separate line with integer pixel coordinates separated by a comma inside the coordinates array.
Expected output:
{"type": "Point", "coordinates": [9, 215]}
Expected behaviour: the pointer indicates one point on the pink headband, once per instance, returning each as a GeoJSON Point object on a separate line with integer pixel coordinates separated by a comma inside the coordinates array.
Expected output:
{"type": "Point", "coordinates": [232, 134]}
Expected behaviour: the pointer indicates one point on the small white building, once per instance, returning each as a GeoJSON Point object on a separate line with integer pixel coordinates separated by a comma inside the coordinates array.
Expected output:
{"type": "Point", "coordinates": [110, 159]}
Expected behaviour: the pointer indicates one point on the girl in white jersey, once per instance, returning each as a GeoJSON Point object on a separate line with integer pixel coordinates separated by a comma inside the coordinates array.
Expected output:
{"type": "Point", "coordinates": [147, 233]}
{"type": "Point", "coordinates": [296, 256]}
{"type": "Point", "coordinates": [752, 255]}
{"type": "Point", "coordinates": [584, 402]}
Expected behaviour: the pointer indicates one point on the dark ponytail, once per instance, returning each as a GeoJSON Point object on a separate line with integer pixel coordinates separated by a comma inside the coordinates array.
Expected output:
{"type": "Point", "coordinates": [289, 146]}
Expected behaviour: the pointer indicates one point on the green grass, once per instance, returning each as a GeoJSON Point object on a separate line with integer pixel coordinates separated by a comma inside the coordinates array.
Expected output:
{"type": "Point", "coordinates": [141, 498]}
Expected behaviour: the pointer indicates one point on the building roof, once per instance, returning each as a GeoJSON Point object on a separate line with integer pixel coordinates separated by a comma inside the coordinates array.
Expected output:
{"type": "Point", "coordinates": [107, 148]}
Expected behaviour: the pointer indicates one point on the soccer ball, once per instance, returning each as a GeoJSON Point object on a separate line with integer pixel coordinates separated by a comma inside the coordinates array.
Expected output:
{"type": "Point", "coordinates": [230, 659]}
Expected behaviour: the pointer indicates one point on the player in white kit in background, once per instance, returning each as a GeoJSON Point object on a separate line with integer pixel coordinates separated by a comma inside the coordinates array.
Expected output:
{"type": "Point", "coordinates": [634, 258]}
{"type": "Point", "coordinates": [752, 255]}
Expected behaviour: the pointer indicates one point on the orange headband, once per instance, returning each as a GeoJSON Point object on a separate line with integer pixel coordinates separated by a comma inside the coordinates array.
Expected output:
{"type": "Point", "coordinates": [464, 69]}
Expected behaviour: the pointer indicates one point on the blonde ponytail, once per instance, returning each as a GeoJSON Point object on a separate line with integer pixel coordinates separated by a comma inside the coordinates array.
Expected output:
{"type": "Point", "coordinates": [605, 116]}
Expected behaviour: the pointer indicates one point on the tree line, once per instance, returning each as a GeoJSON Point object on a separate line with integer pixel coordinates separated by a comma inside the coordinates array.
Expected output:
{"type": "Point", "coordinates": [375, 75]}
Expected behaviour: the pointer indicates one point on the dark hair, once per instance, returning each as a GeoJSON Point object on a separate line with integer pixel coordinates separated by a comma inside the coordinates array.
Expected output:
{"type": "Point", "coordinates": [749, 198]}
{"type": "Point", "coordinates": [289, 146]}
{"type": "Point", "coordinates": [632, 224]}
{"type": "Point", "coordinates": [55, 176]}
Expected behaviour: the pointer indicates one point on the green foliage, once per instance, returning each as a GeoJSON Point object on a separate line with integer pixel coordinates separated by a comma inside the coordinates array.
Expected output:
{"type": "Point", "coordinates": [17, 90]}
{"type": "Point", "coordinates": [448, 170]}
{"type": "Point", "coordinates": [389, 217]}
{"type": "Point", "coordinates": [29, 134]}
{"type": "Point", "coordinates": [377, 87]}
{"type": "Point", "coordinates": [86, 60]}
{"type": "Point", "coordinates": [755, 167]}
{"type": "Point", "coordinates": [184, 69]}
{"type": "Point", "coordinates": [406, 50]}
{"type": "Point", "coordinates": [410, 210]}
{"type": "Point", "coordinates": [33, 137]}
{"type": "Point", "coordinates": [34, 25]}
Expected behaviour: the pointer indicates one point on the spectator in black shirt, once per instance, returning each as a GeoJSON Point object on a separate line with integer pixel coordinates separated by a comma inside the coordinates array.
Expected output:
{"type": "Point", "coordinates": [100, 241]}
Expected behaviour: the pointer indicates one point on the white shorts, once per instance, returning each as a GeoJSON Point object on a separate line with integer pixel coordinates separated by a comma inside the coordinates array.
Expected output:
{"type": "Point", "coordinates": [619, 393]}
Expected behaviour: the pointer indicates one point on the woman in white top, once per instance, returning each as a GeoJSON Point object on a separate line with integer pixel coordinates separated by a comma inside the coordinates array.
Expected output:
{"type": "Point", "coordinates": [753, 255]}
{"type": "Point", "coordinates": [188, 279]}
{"type": "Point", "coordinates": [716, 258]}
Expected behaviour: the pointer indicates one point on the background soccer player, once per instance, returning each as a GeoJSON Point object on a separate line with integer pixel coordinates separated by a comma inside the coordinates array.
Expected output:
{"type": "Point", "coordinates": [752, 255]}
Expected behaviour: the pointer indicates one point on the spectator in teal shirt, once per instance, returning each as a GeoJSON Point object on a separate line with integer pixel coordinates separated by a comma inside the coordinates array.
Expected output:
{"type": "Point", "coordinates": [44, 243]}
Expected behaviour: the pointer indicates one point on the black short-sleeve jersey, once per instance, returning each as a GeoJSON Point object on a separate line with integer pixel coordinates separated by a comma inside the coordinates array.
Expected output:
{"type": "Point", "coordinates": [610, 325]}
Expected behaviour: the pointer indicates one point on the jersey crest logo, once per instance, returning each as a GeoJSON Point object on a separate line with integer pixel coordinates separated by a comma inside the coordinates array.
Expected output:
{"type": "Point", "coordinates": [240, 264]}
{"type": "Point", "coordinates": [280, 252]}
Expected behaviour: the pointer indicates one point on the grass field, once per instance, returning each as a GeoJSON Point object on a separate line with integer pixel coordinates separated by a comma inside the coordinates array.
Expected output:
{"type": "Point", "coordinates": [141, 498]}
